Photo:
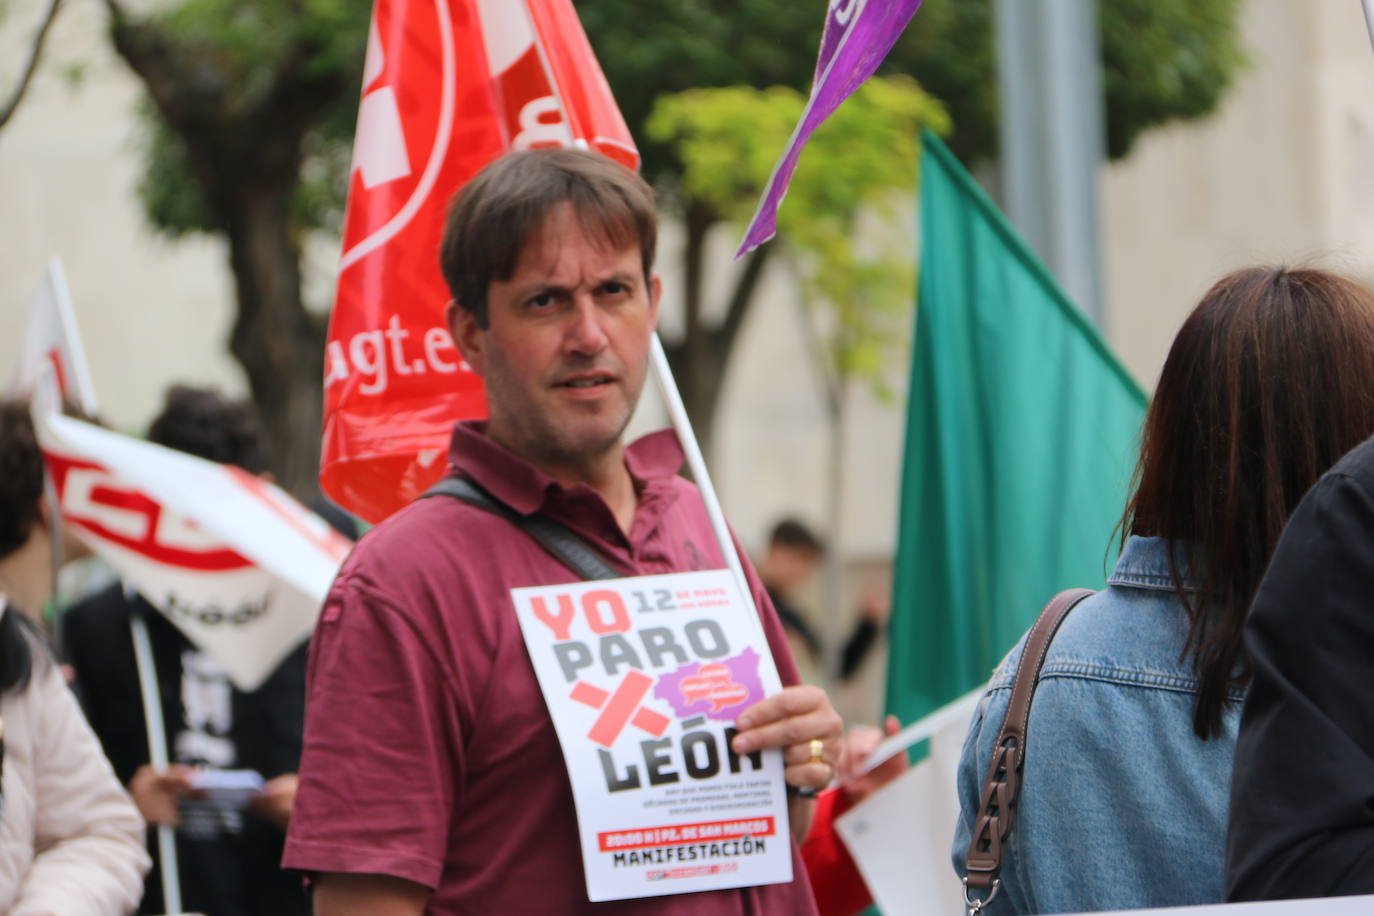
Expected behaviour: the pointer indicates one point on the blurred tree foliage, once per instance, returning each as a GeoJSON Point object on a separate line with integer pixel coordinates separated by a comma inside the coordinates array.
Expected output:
{"type": "Point", "coordinates": [852, 187]}
{"type": "Point", "coordinates": [251, 106]}
{"type": "Point", "coordinates": [246, 63]}
{"type": "Point", "coordinates": [859, 170]}
{"type": "Point", "coordinates": [1163, 59]}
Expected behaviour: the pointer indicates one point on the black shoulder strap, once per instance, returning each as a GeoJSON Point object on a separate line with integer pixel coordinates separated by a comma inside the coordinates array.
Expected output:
{"type": "Point", "coordinates": [565, 546]}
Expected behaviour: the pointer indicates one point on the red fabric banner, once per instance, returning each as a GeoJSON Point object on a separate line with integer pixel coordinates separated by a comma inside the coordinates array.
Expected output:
{"type": "Point", "coordinates": [448, 86]}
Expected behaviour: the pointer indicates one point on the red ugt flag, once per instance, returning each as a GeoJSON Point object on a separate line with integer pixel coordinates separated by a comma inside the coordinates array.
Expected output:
{"type": "Point", "coordinates": [449, 85]}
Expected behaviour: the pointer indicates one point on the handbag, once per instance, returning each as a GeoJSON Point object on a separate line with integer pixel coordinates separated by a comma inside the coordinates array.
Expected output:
{"type": "Point", "coordinates": [1002, 784]}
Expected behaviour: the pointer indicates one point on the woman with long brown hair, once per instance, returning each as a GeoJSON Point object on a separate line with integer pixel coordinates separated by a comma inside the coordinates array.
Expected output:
{"type": "Point", "coordinates": [1128, 763]}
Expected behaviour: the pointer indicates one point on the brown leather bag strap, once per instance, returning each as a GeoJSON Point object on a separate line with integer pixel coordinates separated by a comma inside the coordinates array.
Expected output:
{"type": "Point", "coordinates": [1002, 784]}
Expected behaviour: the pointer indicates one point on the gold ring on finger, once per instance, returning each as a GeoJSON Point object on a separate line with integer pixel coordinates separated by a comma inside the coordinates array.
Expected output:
{"type": "Point", "coordinates": [817, 751]}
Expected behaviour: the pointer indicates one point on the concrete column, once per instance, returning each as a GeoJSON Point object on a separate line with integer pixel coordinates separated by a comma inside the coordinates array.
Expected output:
{"type": "Point", "coordinates": [1053, 139]}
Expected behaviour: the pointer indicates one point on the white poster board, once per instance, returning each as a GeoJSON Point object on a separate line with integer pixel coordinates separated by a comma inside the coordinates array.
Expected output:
{"type": "Point", "coordinates": [900, 836]}
{"type": "Point", "coordinates": [1327, 906]}
{"type": "Point", "coordinates": [644, 678]}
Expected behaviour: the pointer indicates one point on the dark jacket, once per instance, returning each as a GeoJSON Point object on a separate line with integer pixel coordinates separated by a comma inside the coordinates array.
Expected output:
{"type": "Point", "coordinates": [1302, 792]}
{"type": "Point", "coordinates": [228, 873]}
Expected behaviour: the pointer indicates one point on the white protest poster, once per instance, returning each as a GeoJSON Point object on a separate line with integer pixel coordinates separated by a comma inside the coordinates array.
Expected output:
{"type": "Point", "coordinates": [644, 678]}
{"type": "Point", "coordinates": [900, 836]}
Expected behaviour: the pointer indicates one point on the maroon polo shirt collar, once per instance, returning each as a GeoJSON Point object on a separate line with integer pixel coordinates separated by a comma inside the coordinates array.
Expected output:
{"type": "Point", "coordinates": [651, 460]}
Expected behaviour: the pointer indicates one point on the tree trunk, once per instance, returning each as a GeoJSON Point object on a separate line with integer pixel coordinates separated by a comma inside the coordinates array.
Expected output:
{"type": "Point", "coordinates": [278, 343]}
{"type": "Point", "coordinates": [26, 74]}
{"type": "Point", "coordinates": [835, 615]}
{"type": "Point", "coordinates": [699, 360]}
{"type": "Point", "coordinates": [247, 164]}
{"type": "Point", "coordinates": [836, 386]}
{"type": "Point", "coordinates": [689, 355]}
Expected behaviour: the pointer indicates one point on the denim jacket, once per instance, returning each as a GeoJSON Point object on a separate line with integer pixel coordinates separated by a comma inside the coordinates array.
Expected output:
{"type": "Point", "coordinates": [1122, 806]}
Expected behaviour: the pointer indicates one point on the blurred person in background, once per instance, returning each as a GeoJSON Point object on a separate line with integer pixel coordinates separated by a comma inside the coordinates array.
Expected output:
{"type": "Point", "coordinates": [71, 841]}
{"type": "Point", "coordinates": [1133, 726]}
{"type": "Point", "coordinates": [788, 565]}
{"type": "Point", "coordinates": [228, 859]}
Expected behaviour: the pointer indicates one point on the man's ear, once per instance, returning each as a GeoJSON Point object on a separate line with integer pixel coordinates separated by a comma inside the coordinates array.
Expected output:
{"type": "Point", "coordinates": [467, 336]}
{"type": "Point", "coordinates": [655, 293]}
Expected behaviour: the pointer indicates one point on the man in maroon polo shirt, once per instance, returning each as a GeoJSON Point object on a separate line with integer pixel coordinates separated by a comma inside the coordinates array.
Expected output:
{"type": "Point", "coordinates": [431, 779]}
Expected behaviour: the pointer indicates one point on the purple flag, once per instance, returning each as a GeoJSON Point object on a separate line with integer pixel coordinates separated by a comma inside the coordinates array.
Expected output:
{"type": "Point", "coordinates": [858, 34]}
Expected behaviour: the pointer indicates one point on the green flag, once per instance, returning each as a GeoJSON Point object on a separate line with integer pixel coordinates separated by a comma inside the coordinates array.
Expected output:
{"type": "Point", "coordinates": [1021, 437]}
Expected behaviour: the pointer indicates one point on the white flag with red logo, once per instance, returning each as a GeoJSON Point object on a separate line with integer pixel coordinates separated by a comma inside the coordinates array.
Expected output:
{"type": "Point", "coordinates": [448, 86]}
{"type": "Point", "coordinates": [51, 339]}
{"type": "Point", "coordinates": [238, 565]}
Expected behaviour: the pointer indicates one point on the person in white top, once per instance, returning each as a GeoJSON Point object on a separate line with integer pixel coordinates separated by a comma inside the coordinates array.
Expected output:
{"type": "Point", "coordinates": [71, 840]}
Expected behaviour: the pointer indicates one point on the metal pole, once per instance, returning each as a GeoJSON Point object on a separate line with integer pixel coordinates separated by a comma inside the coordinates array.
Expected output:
{"type": "Point", "coordinates": [157, 749]}
{"type": "Point", "coordinates": [1052, 137]}
{"type": "Point", "coordinates": [56, 559]}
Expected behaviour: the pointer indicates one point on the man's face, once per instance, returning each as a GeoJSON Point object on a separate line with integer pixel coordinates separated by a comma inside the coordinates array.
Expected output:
{"type": "Point", "coordinates": [566, 347]}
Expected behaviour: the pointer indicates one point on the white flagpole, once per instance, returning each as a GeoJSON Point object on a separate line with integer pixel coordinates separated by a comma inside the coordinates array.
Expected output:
{"type": "Point", "coordinates": [83, 388]}
{"type": "Point", "coordinates": [83, 393]}
{"type": "Point", "coordinates": [677, 412]}
{"type": "Point", "coordinates": [157, 749]}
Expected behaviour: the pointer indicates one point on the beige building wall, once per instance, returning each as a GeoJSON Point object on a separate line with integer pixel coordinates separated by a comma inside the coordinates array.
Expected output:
{"type": "Point", "coordinates": [150, 310]}
{"type": "Point", "coordinates": [1283, 173]}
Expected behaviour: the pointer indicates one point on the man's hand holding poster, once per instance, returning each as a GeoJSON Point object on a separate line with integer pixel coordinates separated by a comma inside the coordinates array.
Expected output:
{"type": "Point", "coordinates": [644, 678]}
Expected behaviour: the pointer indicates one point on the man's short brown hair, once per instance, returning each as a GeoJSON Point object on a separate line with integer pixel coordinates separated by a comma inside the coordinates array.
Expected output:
{"type": "Point", "coordinates": [493, 217]}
